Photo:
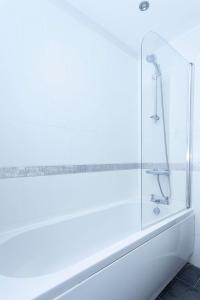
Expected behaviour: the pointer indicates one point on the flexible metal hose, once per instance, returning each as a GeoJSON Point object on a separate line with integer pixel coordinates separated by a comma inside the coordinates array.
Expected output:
{"type": "Point", "coordinates": [165, 145]}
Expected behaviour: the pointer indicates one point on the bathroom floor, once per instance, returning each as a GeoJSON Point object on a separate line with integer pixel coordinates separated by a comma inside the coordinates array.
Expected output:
{"type": "Point", "coordinates": [185, 286]}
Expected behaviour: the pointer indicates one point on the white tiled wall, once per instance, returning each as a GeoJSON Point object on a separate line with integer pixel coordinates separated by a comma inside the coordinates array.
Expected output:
{"type": "Point", "coordinates": [28, 200]}
{"type": "Point", "coordinates": [68, 96]}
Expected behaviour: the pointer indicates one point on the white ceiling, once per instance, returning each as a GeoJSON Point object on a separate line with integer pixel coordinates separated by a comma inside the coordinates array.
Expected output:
{"type": "Point", "coordinates": [124, 20]}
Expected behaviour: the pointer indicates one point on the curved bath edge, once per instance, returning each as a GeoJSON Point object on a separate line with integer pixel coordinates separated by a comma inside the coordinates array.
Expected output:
{"type": "Point", "coordinates": [60, 276]}
{"type": "Point", "coordinates": [105, 259]}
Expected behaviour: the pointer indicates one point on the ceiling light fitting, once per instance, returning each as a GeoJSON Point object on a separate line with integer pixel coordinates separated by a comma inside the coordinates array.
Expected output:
{"type": "Point", "coordinates": [144, 5]}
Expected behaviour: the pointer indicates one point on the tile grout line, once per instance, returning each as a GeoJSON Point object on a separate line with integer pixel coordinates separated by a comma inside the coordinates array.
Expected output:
{"type": "Point", "coordinates": [183, 281]}
{"type": "Point", "coordinates": [198, 281]}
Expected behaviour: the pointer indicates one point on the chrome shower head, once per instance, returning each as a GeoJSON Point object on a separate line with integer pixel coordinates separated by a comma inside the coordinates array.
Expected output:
{"type": "Point", "coordinates": [152, 60]}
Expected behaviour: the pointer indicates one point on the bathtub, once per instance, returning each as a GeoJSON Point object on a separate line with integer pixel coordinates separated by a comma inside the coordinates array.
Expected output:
{"type": "Point", "coordinates": [100, 254]}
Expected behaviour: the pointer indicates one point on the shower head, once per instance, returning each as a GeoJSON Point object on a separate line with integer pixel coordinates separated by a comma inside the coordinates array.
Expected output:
{"type": "Point", "coordinates": [152, 60]}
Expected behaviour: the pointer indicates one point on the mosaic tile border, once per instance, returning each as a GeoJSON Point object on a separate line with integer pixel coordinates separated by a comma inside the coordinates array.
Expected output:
{"type": "Point", "coordinates": [15, 172]}
{"type": "Point", "coordinates": [33, 171]}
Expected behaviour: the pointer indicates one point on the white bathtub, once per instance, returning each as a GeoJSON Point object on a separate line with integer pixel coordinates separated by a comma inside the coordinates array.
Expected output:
{"type": "Point", "coordinates": [94, 256]}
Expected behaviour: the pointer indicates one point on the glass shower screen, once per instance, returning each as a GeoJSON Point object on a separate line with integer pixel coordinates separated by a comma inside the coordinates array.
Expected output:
{"type": "Point", "coordinates": [165, 113]}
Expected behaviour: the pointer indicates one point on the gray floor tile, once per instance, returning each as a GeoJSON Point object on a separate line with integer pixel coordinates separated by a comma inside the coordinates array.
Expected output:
{"type": "Point", "coordinates": [185, 286]}
{"type": "Point", "coordinates": [190, 275]}
{"type": "Point", "coordinates": [176, 290]}
{"type": "Point", "coordinates": [197, 286]}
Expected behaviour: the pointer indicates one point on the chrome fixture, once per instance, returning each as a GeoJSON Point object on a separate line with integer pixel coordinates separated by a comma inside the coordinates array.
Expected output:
{"type": "Point", "coordinates": [164, 201]}
{"type": "Point", "coordinates": [156, 211]}
{"type": "Point", "coordinates": [189, 134]}
{"type": "Point", "coordinates": [144, 5]}
{"type": "Point", "coordinates": [159, 95]}
{"type": "Point", "coordinates": [152, 60]}
{"type": "Point", "coordinates": [157, 172]}
{"type": "Point", "coordinates": [155, 117]}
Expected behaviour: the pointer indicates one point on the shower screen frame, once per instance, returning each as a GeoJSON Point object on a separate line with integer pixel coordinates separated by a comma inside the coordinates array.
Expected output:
{"type": "Point", "coordinates": [189, 134]}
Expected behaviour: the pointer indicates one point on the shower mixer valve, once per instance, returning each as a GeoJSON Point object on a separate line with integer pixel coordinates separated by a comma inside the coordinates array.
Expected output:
{"type": "Point", "coordinates": [164, 201]}
{"type": "Point", "coordinates": [159, 172]}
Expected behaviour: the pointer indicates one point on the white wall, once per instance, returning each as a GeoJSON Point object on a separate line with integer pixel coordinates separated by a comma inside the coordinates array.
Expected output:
{"type": "Point", "coordinates": [68, 96]}
{"type": "Point", "coordinates": [189, 45]}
